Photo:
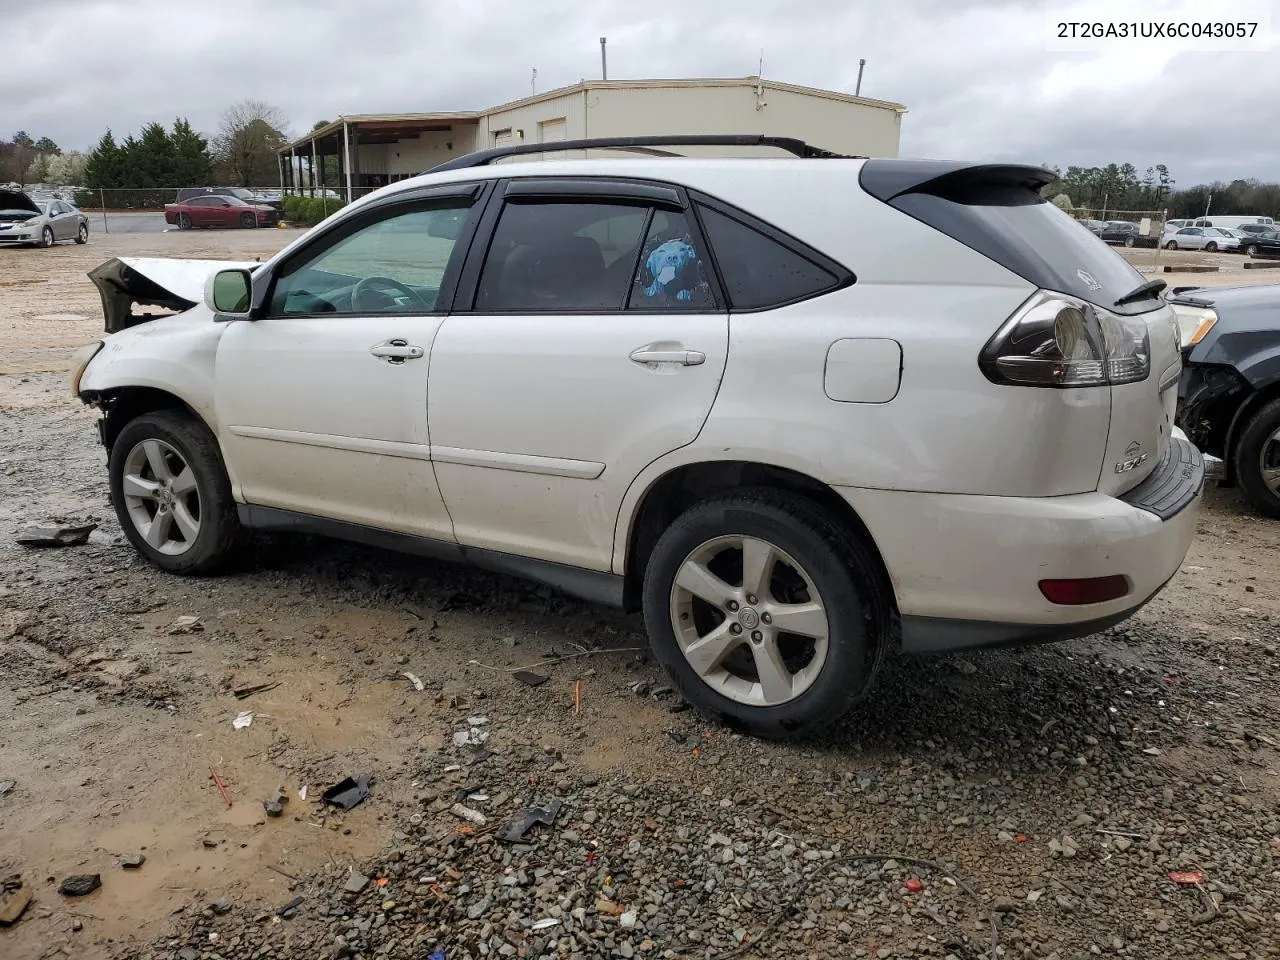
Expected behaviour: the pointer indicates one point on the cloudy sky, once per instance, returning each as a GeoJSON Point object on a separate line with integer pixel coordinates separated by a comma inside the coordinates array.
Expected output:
{"type": "Point", "coordinates": [983, 79]}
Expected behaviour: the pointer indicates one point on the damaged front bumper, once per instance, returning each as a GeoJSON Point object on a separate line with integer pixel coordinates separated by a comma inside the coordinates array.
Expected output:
{"type": "Point", "coordinates": [1209, 396]}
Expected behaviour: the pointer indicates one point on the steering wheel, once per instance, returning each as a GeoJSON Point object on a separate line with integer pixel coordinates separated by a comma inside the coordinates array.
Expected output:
{"type": "Point", "coordinates": [380, 285]}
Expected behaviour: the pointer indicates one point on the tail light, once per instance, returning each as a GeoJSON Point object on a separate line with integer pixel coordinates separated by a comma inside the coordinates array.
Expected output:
{"type": "Point", "coordinates": [1058, 341]}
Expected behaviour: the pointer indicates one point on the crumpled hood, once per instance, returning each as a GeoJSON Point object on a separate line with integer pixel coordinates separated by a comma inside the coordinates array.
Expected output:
{"type": "Point", "coordinates": [153, 281]}
{"type": "Point", "coordinates": [17, 200]}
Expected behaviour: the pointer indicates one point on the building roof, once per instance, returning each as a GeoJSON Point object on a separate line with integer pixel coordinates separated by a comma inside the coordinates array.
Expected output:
{"type": "Point", "coordinates": [388, 125]}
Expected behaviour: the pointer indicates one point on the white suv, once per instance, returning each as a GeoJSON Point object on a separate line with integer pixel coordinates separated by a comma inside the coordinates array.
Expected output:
{"type": "Point", "coordinates": [799, 411]}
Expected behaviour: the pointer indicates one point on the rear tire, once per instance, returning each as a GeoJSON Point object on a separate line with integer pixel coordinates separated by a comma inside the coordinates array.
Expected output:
{"type": "Point", "coordinates": [1211, 247]}
{"type": "Point", "coordinates": [248, 220]}
{"type": "Point", "coordinates": [733, 658]}
{"type": "Point", "coordinates": [171, 493]}
{"type": "Point", "coordinates": [1251, 250]}
{"type": "Point", "coordinates": [184, 222]}
{"type": "Point", "coordinates": [1257, 460]}
{"type": "Point", "coordinates": [1129, 241]}
{"type": "Point", "coordinates": [82, 235]}
{"type": "Point", "coordinates": [1171, 245]}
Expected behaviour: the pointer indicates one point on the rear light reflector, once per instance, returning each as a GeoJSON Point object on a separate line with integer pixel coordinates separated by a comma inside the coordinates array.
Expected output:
{"type": "Point", "coordinates": [1072, 593]}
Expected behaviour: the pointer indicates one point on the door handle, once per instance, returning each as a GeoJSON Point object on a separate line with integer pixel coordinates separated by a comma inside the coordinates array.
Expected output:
{"type": "Point", "coordinates": [663, 353]}
{"type": "Point", "coordinates": [396, 351]}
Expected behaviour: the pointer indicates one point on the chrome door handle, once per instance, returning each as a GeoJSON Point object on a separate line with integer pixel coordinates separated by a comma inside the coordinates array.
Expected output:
{"type": "Point", "coordinates": [396, 351]}
{"type": "Point", "coordinates": [652, 353]}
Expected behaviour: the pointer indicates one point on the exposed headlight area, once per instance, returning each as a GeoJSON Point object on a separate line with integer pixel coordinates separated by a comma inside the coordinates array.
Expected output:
{"type": "Point", "coordinates": [80, 362]}
{"type": "Point", "coordinates": [1194, 323]}
{"type": "Point", "coordinates": [1055, 340]}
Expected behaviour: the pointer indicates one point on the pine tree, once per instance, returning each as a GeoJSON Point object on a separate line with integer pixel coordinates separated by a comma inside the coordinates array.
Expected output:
{"type": "Point", "coordinates": [193, 167]}
{"type": "Point", "coordinates": [103, 170]}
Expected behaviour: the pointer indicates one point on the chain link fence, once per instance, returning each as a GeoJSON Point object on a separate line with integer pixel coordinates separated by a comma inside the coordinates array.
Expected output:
{"type": "Point", "coordinates": [1134, 230]}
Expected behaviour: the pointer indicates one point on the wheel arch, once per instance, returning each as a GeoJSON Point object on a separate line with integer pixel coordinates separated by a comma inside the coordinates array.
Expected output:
{"type": "Point", "coordinates": [673, 491]}
{"type": "Point", "coordinates": [1245, 412]}
{"type": "Point", "coordinates": [121, 405]}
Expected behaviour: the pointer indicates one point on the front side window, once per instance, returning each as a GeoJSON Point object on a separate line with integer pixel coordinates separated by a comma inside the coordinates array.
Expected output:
{"type": "Point", "coordinates": [393, 265]}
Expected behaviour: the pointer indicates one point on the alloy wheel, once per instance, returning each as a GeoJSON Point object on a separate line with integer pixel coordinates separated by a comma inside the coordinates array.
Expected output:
{"type": "Point", "coordinates": [749, 620]}
{"type": "Point", "coordinates": [161, 496]}
{"type": "Point", "coordinates": [1269, 463]}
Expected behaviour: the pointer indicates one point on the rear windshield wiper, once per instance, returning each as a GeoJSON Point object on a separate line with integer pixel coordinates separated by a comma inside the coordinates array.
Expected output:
{"type": "Point", "coordinates": [1148, 289]}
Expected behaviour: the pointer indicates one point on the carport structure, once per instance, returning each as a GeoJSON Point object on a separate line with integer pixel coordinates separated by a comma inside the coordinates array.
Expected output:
{"type": "Point", "coordinates": [356, 154]}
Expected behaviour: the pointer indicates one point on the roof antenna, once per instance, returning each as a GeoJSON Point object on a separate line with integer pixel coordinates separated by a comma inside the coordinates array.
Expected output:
{"type": "Point", "coordinates": [857, 91]}
{"type": "Point", "coordinates": [604, 64]}
{"type": "Point", "coordinates": [533, 83]}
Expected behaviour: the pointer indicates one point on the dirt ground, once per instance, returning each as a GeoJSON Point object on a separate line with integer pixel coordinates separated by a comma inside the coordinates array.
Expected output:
{"type": "Point", "coordinates": [114, 718]}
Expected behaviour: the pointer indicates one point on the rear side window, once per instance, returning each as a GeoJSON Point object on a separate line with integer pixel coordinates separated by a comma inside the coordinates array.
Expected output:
{"type": "Point", "coordinates": [672, 275]}
{"type": "Point", "coordinates": [759, 271]}
{"type": "Point", "coordinates": [562, 257]}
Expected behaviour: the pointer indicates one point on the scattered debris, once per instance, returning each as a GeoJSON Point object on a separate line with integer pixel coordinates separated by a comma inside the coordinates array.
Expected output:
{"type": "Point", "coordinates": [132, 861]}
{"type": "Point", "coordinates": [530, 678]}
{"type": "Point", "coordinates": [186, 624]}
{"type": "Point", "coordinates": [209, 844]}
{"type": "Point", "coordinates": [347, 794]}
{"type": "Point", "coordinates": [436, 955]}
{"type": "Point", "coordinates": [275, 806]}
{"type": "Point", "coordinates": [913, 885]}
{"type": "Point", "coordinates": [607, 908]}
{"type": "Point", "coordinates": [6, 786]}
{"type": "Point", "coordinates": [640, 688]}
{"type": "Point", "coordinates": [1152, 751]}
{"type": "Point", "coordinates": [288, 909]}
{"type": "Point", "coordinates": [1133, 834]}
{"type": "Point", "coordinates": [1187, 878]}
{"type": "Point", "coordinates": [356, 883]}
{"type": "Point", "coordinates": [577, 698]}
{"type": "Point", "coordinates": [56, 534]}
{"type": "Point", "coordinates": [417, 684]}
{"type": "Point", "coordinates": [12, 905]}
{"type": "Point", "coordinates": [302, 793]}
{"type": "Point", "coordinates": [628, 920]}
{"type": "Point", "coordinates": [677, 737]}
{"type": "Point", "coordinates": [80, 885]}
{"type": "Point", "coordinates": [243, 719]}
{"type": "Point", "coordinates": [473, 736]}
{"type": "Point", "coordinates": [468, 814]}
{"type": "Point", "coordinates": [222, 787]}
{"type": "Point", "coordinates": [220, 907]}
{"type": "Point", "coordinates": [243, 692]}
{"type": "Point", "coordinates": [516, 830]}
{"type": "Point", "coordinates": [546, 923]}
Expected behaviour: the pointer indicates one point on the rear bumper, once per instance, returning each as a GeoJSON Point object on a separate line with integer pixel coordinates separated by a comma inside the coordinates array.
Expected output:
{"type": "Point", "coordinates": [966, 569]}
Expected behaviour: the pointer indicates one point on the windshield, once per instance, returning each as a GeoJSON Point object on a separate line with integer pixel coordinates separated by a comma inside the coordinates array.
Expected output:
{"type": "Point", "coordinates": [241, 193]}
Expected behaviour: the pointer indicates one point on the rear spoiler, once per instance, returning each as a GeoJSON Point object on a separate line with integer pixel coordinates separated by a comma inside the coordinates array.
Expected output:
{"type": "Point", "coordinates": [888, 179]}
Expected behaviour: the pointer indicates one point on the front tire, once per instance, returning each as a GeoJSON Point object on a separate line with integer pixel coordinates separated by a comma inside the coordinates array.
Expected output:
{"type": "Point", "coordinates": [46, 237]}
{"type": "Point", "coordinates": [1211, 247]}
{"type": "Point", "coordinates": [1258, 460]}
{"type": "Point", "coordinates": [1129, 241]}
{"type": "Point", "coordinates": [248, 220]}
{"type": "Point", "coordinates": [184, 222]}
{"type": "Point", "coordinates": [82, 235]}
{"type": "Point", "coordinates": [769, 616]}
{"type": "Point", "coordinates": [1171, 245]}
{"type": "Point", "coordinates": [171, 493]}
{"type": "Point", "coordinates": [1251, 250]}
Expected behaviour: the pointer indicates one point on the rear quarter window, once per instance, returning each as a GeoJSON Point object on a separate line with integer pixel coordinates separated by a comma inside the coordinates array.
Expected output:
{"type": "Point", "coordinates": [761, 271]}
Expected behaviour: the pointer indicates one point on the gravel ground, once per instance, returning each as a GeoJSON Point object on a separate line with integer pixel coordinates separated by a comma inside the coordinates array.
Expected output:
{"type": "Point", "coordinates": [1028, 803]}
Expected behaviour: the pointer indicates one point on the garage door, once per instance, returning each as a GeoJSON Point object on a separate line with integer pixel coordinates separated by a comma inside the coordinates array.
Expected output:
{"type": "Point", "coordinates": [551, 131]}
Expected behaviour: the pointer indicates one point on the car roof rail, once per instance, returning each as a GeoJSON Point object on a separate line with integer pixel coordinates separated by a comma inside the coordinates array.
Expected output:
{"type": "Point", "coordinates": [792, 145]}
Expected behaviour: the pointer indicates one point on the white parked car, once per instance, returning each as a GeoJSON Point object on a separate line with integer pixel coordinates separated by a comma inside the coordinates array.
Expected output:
{"type": "Point", "coordinates": [1201, 238]}
{"type": "Point", "coordinates": [708, 389]}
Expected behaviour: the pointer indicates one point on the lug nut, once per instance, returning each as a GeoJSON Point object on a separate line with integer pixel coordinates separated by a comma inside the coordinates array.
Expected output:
{"type": "Point", "coordinates": [731, 606]}
{"type": "Point", "coordinates": [735, 628]}
{"type": "Point", "coordinates": [766, 618]}
{"type": "Point", "coordinates": [757, 636]}
{"type": "Point", "coordinates": [751, 599]}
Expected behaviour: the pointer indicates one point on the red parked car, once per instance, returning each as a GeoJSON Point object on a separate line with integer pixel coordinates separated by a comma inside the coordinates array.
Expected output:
{"type": "Point", "coordinates": [212, 210]}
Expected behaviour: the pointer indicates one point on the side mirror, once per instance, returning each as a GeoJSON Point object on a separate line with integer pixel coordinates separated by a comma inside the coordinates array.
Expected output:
{"type": "Point", "coordinates": [229, 293]}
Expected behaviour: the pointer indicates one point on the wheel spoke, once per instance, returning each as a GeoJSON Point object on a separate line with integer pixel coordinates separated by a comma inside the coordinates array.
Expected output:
{"type": "Point", "coordinates": [706, 653]}
{"type": "Point", "coordinates": [184, 482]}
{"type": "Point", "coordinates": [155, 457]}
{"type": "Point", "coordinates": [189, 526]}
{"type": "Point", "coordinates": [775, 678]}
{"type": "Point", "coordinates": [802, 619]}
{"type": "Point", "coordinates": [135, 486]}
{"type": "Point", "coordinates": [158, 530]}
{"type": "Point", "coordinates": [758, 557]}
{"type": "Point", "coordinates": [704, 584]}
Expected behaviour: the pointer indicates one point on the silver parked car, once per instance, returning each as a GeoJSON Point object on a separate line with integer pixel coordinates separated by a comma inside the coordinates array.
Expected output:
{"type": "Point", "coordinates": [1201, 238]}
{"type": "Point", "coordinates": [30, 222]}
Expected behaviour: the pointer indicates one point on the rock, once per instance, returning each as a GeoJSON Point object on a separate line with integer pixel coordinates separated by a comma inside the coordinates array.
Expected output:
{"type": "Point", "coordinates": [186, 624]}
{"type": "Point", "coordinates": [356, 882]}
{"type": "Point", "coordinates": [1122, 844]}
{"type": "Point", "coordinates": [628, 920]}
{"type": "Point", "coordinates": [80, 885]}
{"type": "Point", "coordinates": [478, 909]}
{"type": "Point", "coordinates": [274, 807]}
{"type": "Point", "coordinates": [132, 861]}
{"type": "Point", "coordinates": [186, 953]}
{"type": "Point", "coordinates": [76, 925]}
{"type": "Point", "coordinates": [625, 950]}
{"type": "Point", "coordinates": [220, 907]}
{"type": "Point", "coordinates": [12, 905]}
{"type": "Point", "coordinates": [55, 534]}
{"type": "Point", "coordinates": [1162, 926]}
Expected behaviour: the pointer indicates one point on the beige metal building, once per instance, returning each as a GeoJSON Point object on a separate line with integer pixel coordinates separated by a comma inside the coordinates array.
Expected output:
{"type": "Point", "coordinates": [369, 150]}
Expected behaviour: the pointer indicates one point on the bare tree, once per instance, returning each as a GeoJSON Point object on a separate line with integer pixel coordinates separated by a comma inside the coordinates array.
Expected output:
{"type": "Point", "coordinates": [245, 145]}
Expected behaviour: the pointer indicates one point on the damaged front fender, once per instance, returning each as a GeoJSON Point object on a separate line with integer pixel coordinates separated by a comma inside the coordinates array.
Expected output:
{"type": "Point", "coordinates": [175, 285]}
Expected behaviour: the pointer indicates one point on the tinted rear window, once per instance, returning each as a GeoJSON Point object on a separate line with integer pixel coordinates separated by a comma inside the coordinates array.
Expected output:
{"type": "Point", "coordinates": [1026, 234]}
